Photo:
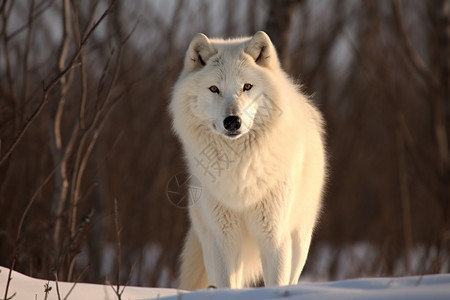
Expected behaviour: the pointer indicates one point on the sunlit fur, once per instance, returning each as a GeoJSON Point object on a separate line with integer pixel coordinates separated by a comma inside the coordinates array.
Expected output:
{"type": "Point", "coordinates": [261, 189]}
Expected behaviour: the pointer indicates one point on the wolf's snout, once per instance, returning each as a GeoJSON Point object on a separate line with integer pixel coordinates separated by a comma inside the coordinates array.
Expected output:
{"type": "Point", "coordinates": [232, 123]}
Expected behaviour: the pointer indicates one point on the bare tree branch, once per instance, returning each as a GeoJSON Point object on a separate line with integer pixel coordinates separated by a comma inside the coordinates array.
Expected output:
{"type": "Point", "coordinates": [413, 57]}
{"type": "Point", "coordinates": [37, 12]}
{"type": "Point", "coordinates": [47, 89]}
{"type": "Point", "coordinates": [46, 92]}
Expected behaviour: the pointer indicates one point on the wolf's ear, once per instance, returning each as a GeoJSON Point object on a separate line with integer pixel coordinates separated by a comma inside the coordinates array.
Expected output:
{"type": "Point", "coordinates": [198, 53]}
{"type": "Point", "coordinates": [260, 47]}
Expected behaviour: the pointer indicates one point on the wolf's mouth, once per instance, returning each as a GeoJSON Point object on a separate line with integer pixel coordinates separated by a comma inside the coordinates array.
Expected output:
{"type": "Point", "coordinates": [228, 134]}
{"type": "Point", "coordinates": [232, 135]}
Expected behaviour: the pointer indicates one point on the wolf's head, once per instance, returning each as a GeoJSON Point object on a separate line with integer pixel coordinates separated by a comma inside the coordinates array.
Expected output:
{"type": "Point", "coordinates": [228, 84]}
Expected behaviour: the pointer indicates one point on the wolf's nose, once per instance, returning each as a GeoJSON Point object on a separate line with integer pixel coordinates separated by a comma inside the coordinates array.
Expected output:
{"type": "Point", "coordinates": [232, 123]}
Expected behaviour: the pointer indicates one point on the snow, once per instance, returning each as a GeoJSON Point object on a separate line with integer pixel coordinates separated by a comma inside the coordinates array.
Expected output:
{"type": "Point", "coordinates": [434, 287]}
{"type": "Point", "coordinates": [27, 288]}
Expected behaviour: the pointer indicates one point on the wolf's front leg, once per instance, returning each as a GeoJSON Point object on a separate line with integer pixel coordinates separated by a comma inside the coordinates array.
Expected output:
{"type": "Point", "coordinates": [276, 256]}
{"type": "Point", "coordinates": [268, 224]}
{"type": "Point", "coordinates": [220, 232]}
{"type": "Point", "coordinates": [223, 261]}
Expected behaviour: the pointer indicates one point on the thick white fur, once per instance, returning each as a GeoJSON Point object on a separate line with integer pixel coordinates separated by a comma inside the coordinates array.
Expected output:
{"type": "Point", "coordinates": [256, 214]}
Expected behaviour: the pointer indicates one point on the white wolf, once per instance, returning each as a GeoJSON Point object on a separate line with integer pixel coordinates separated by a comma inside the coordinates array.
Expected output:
{"type": "Point", "coordinates": [255, 143]}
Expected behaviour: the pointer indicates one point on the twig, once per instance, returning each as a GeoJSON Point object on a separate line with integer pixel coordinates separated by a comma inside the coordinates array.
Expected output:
{"type": "Point", "coordinates": [83, 72]}
{"type": "Point", "coordinates": [6, 53]}
{"type": "Point", "coordinates": [79, 229]}
{"type": "Point", "coordinates": [129, 277]}
{"type": "Point", "coordinates": [57, 285]}
{"type": "Point", "coordinates": [27, 53]}
{"type": "Point", "coordinates": [128, 36]}
{"type": "Point", "coordinates": [117, 289]}
{"type": "Point", "coordinates": [84, 221]}
{"type": "Point", "coordinates": [39, 10]}
{"type": "Point", "coordinates": [58, 210]}
{"type": "Point", "coordinates": [12, 296]}
{"type": "Point", "coordinates": [47, 289]}
{"type": "Point", "coordinates": [76, 281]}
{"type": "Point", "coordinates": [102, 80]}
{"type": "Point", "coordinates": [65, 82]}
{"type": "Point", "coordinates": [119, 250]}
{"type": "Point", "coordinates": [414, 58]}
{"type": "Point", "coordinates": [19, 230]}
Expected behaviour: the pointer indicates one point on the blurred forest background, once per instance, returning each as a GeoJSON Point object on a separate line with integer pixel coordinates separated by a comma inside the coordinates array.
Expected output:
{"type": "Point", "coordinates": [86, 150]}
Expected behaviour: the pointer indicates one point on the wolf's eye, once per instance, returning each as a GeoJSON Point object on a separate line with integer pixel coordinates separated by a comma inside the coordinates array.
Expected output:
{"type": "Point", "coordinates": [247, 87]}
{"type": "Point", "coordinates": [214, 89]}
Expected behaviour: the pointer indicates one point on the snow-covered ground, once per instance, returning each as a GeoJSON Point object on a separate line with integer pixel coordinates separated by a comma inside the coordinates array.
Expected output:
{"type": "Point", "coordinates": [430, 287]}
{"type": "Point", "coordinates": [28, 288]}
